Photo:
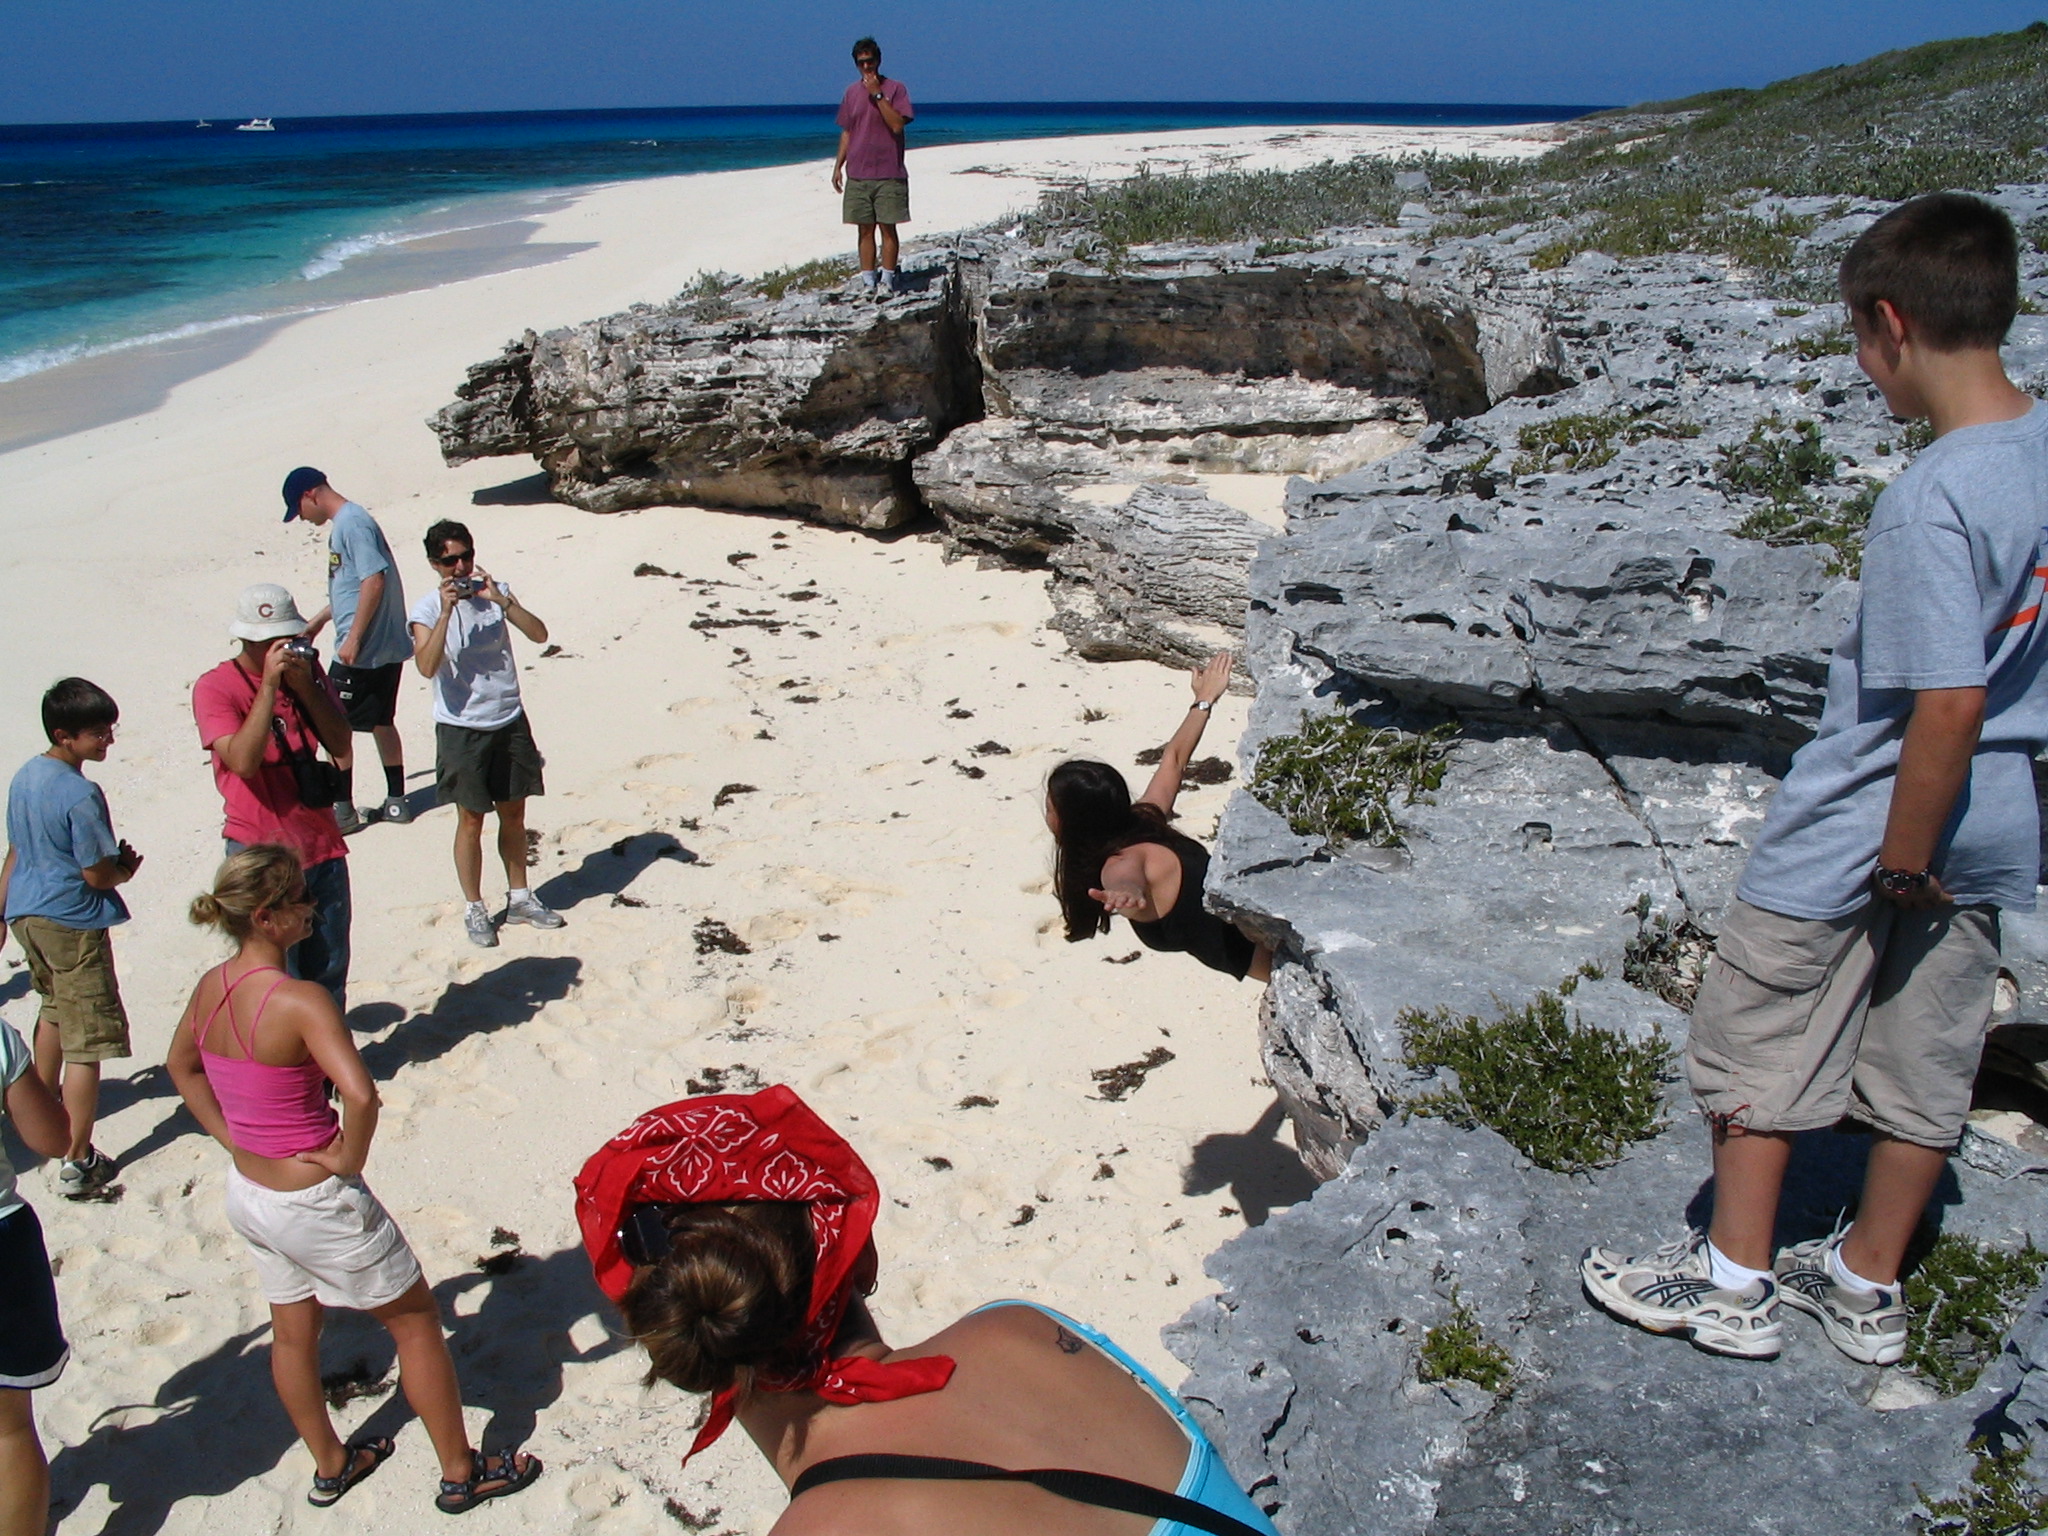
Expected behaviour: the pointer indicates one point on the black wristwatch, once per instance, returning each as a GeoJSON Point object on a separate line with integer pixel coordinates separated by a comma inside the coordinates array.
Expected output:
{"type": "Point", "coordinates": [1899, 882]}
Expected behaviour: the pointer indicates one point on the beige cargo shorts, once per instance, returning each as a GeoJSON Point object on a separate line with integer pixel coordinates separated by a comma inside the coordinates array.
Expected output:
{"type": "Point", "coordinates": [1879, 1016]}
{"type": "Point", "coordinates": [73, 970]}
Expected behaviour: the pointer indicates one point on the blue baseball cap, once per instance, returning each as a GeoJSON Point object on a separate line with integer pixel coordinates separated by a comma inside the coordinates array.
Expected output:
{"type": "Point", "coordinates": [296, 484]}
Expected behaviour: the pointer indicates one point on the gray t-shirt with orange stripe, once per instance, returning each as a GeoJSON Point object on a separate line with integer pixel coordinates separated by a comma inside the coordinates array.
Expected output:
{"type": "Point", "coordinates": [1954, 565]}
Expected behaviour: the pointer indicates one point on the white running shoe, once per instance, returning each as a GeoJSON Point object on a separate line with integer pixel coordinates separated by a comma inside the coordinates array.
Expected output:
{"type": "Point", "coordinates": [476, 922]}
{"type": "Point", "coordinates": [1869, 1327]}
{"type": "Point", "coordinates": [87, 1177]}
{"type": "Point", "coordinates": [1673, 1291]}
{"type": "Point", "coordinates": [527, 909]}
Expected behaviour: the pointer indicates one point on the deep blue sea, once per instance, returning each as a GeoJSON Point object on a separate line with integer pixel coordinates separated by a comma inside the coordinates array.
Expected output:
{"type": "Point", "coordinates": [111, 234]}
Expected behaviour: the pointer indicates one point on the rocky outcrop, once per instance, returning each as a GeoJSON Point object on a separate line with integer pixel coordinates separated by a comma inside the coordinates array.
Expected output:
{"type": "Point", "coordinates": [1009, 392]}
{"type": "Point", "coordinates": [1563, 579]}
{"type": "Point", "coordinates": [1304, 1369]}
{"type": "Point", "coordinates": [815, 404]}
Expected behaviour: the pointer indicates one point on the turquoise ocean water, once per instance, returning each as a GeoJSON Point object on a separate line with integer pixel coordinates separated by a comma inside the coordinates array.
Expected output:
{"type": "Point", "coordinates": [116, 234]}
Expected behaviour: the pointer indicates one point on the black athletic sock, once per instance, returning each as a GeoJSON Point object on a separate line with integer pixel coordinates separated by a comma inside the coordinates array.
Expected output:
{"type": "Point", "coordinates": [348, 784]}
{"type": "Point", "coordinates": [394, 782]}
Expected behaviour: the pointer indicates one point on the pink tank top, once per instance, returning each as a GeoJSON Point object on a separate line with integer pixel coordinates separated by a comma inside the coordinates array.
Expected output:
{"type": "Point", "coordinates": [272, 1111]}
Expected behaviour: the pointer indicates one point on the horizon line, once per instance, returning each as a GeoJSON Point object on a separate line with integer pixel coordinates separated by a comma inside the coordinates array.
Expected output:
{"type": "Point", "coordinates": [1551, 111]}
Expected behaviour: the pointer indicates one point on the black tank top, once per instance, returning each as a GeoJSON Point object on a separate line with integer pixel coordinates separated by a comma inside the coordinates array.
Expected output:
{"type": "Point", "coordinates": [1190, 929]}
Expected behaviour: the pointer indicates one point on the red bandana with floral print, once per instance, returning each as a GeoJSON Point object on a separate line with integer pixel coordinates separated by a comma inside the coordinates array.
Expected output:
{"type": "Point", "coordinates": [758, 1146]}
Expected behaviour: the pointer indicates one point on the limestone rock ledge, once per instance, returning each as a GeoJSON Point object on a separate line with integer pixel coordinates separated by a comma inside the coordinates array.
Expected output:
{"type": "Point", "coordinates": [1048, 413]}
{"type": "Point", "coordinates": [1303, 1370]}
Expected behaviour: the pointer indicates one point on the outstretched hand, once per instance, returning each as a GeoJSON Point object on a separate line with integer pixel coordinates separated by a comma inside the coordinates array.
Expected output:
{"type": "Point", "coordinates": [1119, 901]}
{"type": "Point", "coordinates": [1212, 679]}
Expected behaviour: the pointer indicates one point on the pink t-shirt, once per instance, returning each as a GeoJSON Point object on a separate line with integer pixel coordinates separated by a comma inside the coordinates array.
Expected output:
{"type": "Point", "coordinates": [265, 809]}
{"type": "Point", "coordinates": [873, 152]}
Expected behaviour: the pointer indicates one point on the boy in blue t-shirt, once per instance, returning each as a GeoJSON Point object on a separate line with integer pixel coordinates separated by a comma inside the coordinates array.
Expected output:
{"type": "Point", "coordinates": [1854, 976]}
{"type": "Point", "coordinates": [57, 890]}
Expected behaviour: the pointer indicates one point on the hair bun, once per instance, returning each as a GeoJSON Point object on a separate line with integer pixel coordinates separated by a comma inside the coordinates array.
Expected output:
{"type": "Point", "coordinates": [729, 1298]}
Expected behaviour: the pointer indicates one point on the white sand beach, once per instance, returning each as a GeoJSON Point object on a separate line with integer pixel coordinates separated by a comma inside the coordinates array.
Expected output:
{"type": "Point", "coordinates": [855, 793]}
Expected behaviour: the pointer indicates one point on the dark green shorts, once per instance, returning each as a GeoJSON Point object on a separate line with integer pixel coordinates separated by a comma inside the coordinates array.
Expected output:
{"type": "Point", "coordinates": [876, 202]}
{"type": "Point", "coordinates": [481, 769]}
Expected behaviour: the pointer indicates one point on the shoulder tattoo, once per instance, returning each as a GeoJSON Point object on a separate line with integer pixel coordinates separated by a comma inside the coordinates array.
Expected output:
{"type": "Point", "coordinates": [1069, 1345]}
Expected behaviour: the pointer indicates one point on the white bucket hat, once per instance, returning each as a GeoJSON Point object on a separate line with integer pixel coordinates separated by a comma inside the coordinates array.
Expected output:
{"type": "Point", "coordinates": [264, 612]}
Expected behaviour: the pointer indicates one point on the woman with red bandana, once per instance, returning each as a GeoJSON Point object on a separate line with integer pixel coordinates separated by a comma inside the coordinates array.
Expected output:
{"type": "Point", "coordinates": [734, 1233]}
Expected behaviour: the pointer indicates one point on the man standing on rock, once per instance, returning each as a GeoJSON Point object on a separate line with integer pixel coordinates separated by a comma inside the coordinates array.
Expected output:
{"type": "Point", "coordinates": [870, 175]}
{"type": "Point", "coordinates": [366, 600]}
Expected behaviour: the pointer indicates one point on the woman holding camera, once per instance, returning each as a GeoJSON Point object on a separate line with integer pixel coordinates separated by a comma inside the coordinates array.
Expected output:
{"type": "Point", "coordinates": [254, 1057]}
{"type": "Point", "coordinates": [265, 714]}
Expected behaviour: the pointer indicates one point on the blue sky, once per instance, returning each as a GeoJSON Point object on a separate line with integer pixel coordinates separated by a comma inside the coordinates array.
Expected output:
{"type": "Point", "coordinates": [116, 60]}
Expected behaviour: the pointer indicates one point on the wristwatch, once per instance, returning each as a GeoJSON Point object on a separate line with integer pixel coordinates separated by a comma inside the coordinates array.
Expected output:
{"type": "Point", "coordinates": [874, 95]}
{"type": "Point", "coordinates": [1899, 882]}
{"type": "Point", "coordinates": [1204, 705]}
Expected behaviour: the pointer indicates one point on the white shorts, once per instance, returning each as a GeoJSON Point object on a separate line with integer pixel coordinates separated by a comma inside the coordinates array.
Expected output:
{"type": "Point", "coordinates": [334, 1241]}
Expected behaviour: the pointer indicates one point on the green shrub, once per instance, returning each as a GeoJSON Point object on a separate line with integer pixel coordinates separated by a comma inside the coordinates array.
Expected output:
{"type": "Point", "coordinates": [1783, 465]}
{"type": "Point", "coordinates": [806, 277]}
{"type": "Point", "coordinates": [1811, 346]}
{"type": "Point", "coordinates": [1220, 206]}
{"type": "Point", "coordinates": [1569, 1096]}
{"type": "Point", "coordinates": [1963, 1296]}
{"type": "Point", "coordinates": [1999, 1501]}
{"type": "Point", "coordinates": [1457, 1350]}
{"type": "Point", "coordinates": [1338, 779]}
{"type": "Point", "coordinates": [1588, 440]}
{"type": "Point", "coordinates": [1666, 958]}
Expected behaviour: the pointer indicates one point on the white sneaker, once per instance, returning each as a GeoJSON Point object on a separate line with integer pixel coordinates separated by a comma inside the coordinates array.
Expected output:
{"type": "Point", "coordinates": [1867, 1326]}
{"type": "Point", "coordinates": [86, 1177]}
{"type": "Point", "coordinates": [476, 922]}
{"type": "Point", "coordinates": [348, 818]}
{"type": "Point", "coordinates": [527, 909]}
{"type": "Point", "coordinates": [1673, 1291]}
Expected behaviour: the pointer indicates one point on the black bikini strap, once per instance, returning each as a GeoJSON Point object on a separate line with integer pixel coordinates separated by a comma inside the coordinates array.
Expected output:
{"type": "Point", "coordinates": [1082, 1487]}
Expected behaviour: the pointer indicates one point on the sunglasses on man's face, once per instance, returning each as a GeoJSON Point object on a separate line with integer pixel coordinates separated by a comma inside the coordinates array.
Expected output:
{"type": "Point", "coordinates": [456, 558]}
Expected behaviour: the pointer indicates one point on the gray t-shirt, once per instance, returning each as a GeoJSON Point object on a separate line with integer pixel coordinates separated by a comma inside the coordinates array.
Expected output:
{"type": "Point", "coordinates": [356, 550]}
{"type": "Point", "coordinates": [478, 683]}
{"type": "Point", "coordinates": [1954, 564]}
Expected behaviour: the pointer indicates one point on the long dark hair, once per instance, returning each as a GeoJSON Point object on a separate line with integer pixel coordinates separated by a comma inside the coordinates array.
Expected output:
{"type": "Point", "coordinates": [730, 1296]}
{"type": "Point", "coordinates": [1097, 818]}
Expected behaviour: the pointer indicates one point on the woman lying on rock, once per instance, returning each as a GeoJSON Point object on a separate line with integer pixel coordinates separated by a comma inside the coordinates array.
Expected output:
{"type": "Point", "coordinates": [1118, 856]}
{"type": "Point", "coordinates": [253, 1057]}
{"type": "Point", "coordinates": [733, 1232]}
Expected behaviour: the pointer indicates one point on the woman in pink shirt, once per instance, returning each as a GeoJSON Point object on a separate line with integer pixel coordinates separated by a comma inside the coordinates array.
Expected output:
{"type": "Point", "coordinates": [254, 1057]}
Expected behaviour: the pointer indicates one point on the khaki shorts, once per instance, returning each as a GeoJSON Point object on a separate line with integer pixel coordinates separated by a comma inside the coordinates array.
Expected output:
{"type": "Point", "coordinates": [1879, 1016]}
{"type": "Point", "coordinates": [334, 1241]}
{"type": "Point", "coordinates": [73, 970]}
{"type": "Point", "coordinates": [875, 202]}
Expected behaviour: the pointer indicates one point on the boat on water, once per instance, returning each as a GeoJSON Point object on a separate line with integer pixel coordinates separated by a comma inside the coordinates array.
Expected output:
{"type": "Point", "coordinates": [202, 123]}
{"type": "Point", "coordinates": [256, 125]}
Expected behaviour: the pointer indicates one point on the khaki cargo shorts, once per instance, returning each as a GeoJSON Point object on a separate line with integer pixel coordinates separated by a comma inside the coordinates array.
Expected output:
{"type": "Point", "coordinates": [73, 970]}
{"type": "Point", "coordinates": [875, 202]}
{"type": "Point", "coordinates": [1879, 1016]}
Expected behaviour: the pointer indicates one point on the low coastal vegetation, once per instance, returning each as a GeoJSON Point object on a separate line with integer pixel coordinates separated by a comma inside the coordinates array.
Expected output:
{"type": "Point", "coordinates": [1783, 465]}
{"type": "Point", "coordinates": [1705, 174]}
{"type": "Point", "coordinates": [2000, 1500]}
{"type": "Point", "coordinates": [805, 277]}
{"type": "Point", "coordinates": [1588, 440]}
{"type": "Point", "coordinates": [1339, 779]}
{"type": "Point", "coordinates": [1666, 958]}
{"type": "Point", "coordinates": [1569, 1096]}
{"type": "Point", "coordinates": [1457, 1349]}
{"type": "Point", "coordinates": [1963, 1297]}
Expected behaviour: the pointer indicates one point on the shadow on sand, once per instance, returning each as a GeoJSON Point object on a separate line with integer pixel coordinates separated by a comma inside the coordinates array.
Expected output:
{"type": "Point", "coordinates": [1263, 1173]}
{"type": "Point", "coordinates": [610, 872]}
{"type": "Point", "coordinates": [216, 1423]}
